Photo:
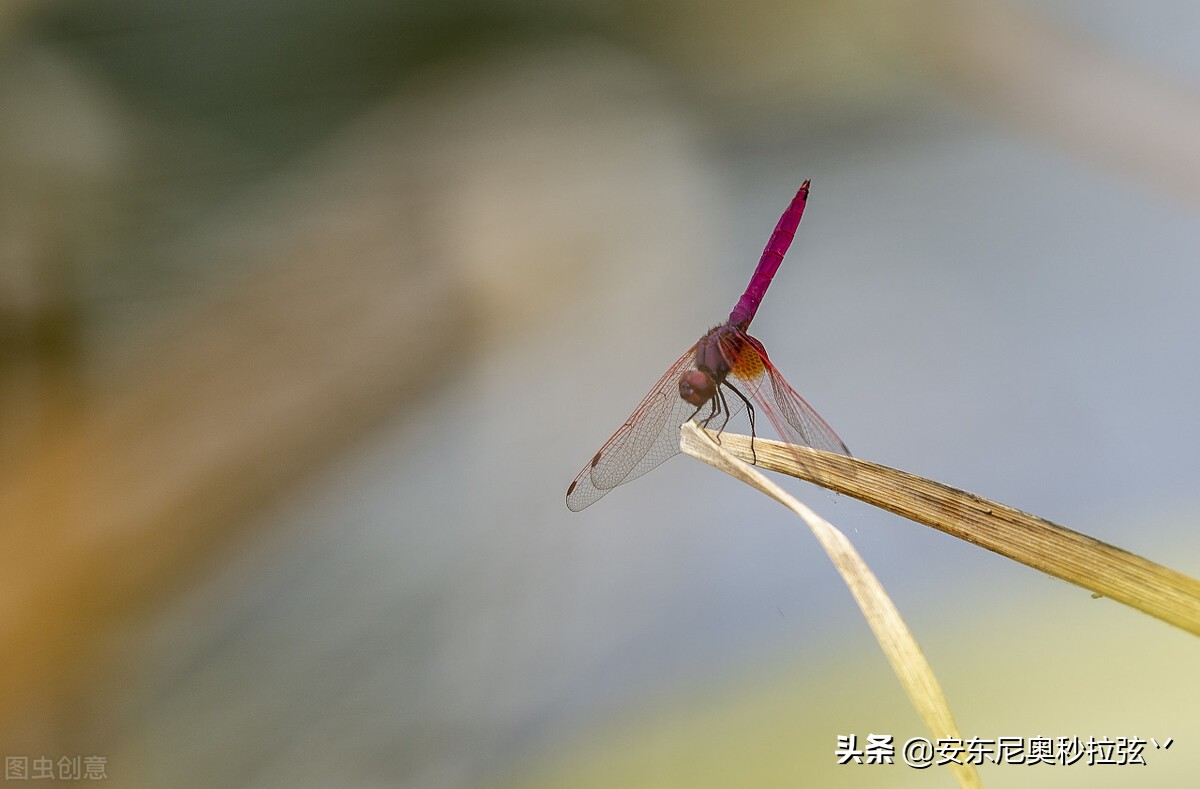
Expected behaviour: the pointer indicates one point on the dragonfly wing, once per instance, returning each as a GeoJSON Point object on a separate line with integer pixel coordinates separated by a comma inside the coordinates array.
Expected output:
{"type": "Point", "coordinates": [793, 418]}
{"type": "Point", "coordinates": [649, 436]}
{"type": "Point", "coordinates": [798, 414]}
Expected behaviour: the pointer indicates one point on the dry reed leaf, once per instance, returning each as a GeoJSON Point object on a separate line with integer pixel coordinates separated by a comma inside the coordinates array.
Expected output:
{"type": "Point", "coordinates": [885, 621]}
{"type": "Point", "coordinates": [1103, 569]}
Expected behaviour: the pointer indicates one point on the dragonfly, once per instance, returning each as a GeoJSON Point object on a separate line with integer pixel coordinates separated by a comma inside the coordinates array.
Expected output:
{"type": "Point", "coordinates": [725, 371]}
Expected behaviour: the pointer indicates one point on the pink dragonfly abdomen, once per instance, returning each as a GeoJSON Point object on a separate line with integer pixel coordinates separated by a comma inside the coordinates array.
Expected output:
{"type": "Point", "coordinates": [772, 256]}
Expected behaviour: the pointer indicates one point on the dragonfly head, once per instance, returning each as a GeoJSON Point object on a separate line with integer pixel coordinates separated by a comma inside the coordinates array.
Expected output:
{"type": "Point", "coordinates": [697, 387]}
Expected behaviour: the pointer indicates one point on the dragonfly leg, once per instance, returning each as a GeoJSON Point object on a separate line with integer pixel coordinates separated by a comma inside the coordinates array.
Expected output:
{"type": "Point", "coordinates": [722, 409]}
{"type": "Point", "coordinates": [749, 413]}
{"type": "Point", "coordinates": [718, 406]}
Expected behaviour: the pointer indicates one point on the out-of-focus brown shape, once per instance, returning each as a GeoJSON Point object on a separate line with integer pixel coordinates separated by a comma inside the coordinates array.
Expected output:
{"type": "Point", "coordinates": [60, 148]}
{"type": "Point", "coordinates": [349, 283]}
{"type": "Point", "coordinates": [151, 469]}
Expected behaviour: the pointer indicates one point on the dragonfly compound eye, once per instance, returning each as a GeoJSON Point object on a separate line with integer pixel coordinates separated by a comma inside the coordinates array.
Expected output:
{"type": "Point", "coordinates": [696, 387]}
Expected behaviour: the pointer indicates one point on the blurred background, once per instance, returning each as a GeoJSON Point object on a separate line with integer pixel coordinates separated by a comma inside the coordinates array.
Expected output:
{"type": "Point", "coordinates": [310, 311]}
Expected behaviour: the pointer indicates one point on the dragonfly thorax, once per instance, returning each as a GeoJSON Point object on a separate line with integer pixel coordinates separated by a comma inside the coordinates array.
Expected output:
{"type": "Point", "coordinates": [708, 353]}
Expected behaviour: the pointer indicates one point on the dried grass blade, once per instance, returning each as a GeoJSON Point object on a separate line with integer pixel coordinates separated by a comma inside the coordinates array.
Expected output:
{"type": "Point", "coordinates": [1055, 550]}
{"type": "Point", "coordinates": [898, 644]}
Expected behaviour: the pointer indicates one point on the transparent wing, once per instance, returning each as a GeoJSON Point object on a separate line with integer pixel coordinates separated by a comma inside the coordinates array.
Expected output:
{"type": "Point", "coordinates": [790, 414]}
{"type": "Point", "coordinates": [649, 436]}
